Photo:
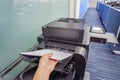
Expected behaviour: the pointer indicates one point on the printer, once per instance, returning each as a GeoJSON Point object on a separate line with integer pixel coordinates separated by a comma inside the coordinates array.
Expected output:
{"type": "Point", "coordinates": [63, 34]}
{"type": "Point", "coordinates": [65, 29]}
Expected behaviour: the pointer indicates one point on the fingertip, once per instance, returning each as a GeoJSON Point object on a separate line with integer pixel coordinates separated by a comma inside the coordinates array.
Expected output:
{"type": "Point", "coordinates": [56, 61]}
{"type": "Point", "coordinates": [49, 54]}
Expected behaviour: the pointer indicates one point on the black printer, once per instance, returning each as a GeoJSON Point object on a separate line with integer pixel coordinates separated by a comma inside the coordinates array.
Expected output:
{"type": "Point", "coordinates": [64, 29]}
{"type": "Point", "coordinates": [64, 34]}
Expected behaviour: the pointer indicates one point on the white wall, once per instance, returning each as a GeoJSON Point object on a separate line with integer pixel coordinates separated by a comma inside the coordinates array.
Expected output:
{"type": "Point", "coordinates": [72, 8]}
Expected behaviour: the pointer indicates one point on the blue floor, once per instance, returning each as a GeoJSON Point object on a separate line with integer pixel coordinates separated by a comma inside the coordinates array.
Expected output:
{"type": "Point", "coordinates": [92, 18]}
{"type": "Point", "coordinates": [102, 64]}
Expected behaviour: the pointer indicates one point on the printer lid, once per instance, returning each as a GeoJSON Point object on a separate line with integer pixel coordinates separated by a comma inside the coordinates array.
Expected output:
{"type": "Point", "coordinates": [69, 23]}
{"type": "Point", "coordinates": [66, 25]}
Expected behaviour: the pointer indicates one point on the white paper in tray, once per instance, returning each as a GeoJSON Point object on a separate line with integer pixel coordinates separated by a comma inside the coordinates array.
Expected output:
{"type": "Point", "coordinates": [56, 55]}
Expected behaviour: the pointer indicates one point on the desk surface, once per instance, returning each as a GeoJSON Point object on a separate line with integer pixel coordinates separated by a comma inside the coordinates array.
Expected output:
{"type": "Point", "coordinates": [102, 64]}
{"type": "Point", "coordinates": [109, 36]}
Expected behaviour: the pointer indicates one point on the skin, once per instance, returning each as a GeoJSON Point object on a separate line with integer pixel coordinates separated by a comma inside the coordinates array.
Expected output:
{"type": "Point", "coordinates": [45, 67]}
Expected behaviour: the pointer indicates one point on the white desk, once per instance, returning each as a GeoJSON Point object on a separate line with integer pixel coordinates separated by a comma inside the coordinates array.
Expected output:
{"type": "Point", "coordinates": [110, 37]}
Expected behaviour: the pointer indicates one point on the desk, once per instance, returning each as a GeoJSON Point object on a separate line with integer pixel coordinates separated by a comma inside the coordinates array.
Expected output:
{"type": "Point", "coordinates": [102, 64]}
{"type": "Point", "coordinates": [110, 37]}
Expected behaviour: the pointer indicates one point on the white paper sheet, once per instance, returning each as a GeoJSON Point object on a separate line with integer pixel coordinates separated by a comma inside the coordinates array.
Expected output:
{"type": "Point", "coordinates": [116, 51]}
{"type": "Point", "coordinates": [97, 30]}
{"type": "Point", "coordinates": [56, 55]}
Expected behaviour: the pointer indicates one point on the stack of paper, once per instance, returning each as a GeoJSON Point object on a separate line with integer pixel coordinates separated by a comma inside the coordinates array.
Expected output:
{"type": "Point", "coordinates": [56, 55]}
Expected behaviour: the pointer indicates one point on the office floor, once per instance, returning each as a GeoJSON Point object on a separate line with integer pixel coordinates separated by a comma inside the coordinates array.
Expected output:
{"type": "Point", "coordinates": [92, 18]}
{"type": "Point", "coordinates": [102, 64]}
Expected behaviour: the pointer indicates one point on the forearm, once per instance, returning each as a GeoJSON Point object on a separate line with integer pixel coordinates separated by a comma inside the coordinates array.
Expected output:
{"type": "Point", "coordinates": [45, 67]}
{"type": "Point", "coordinates": [40, 75]}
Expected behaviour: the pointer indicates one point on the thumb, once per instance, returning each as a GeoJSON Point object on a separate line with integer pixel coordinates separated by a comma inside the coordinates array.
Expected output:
{"type": "Point", "coordinates": [45, 57]}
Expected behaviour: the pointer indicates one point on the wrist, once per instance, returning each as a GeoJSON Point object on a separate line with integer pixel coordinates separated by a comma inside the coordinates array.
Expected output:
{"type": "Point", "coordinates": [43, 74]}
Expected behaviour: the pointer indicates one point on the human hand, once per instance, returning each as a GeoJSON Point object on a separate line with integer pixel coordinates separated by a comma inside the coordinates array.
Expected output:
{"type": "Point", "coordinates": [45, 67]}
